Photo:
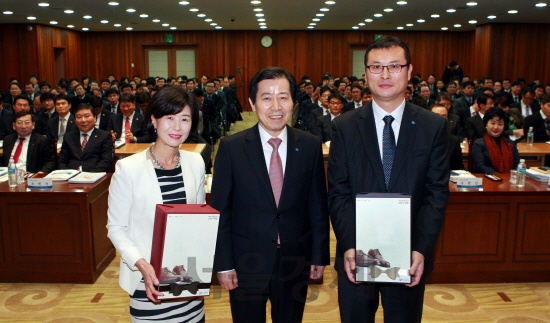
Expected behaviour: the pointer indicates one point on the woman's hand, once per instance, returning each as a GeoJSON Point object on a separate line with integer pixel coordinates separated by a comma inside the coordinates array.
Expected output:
{"type": "Point", "coordinates": [150, 279]}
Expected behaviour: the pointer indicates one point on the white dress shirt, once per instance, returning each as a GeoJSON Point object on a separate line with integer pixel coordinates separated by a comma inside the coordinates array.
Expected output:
{"type": "Point", "coordinates": [472, 111]}
{"type": "Point", "coordinates": [525, 109]}
{"type": "Point", "coordinates": [264, 137]}
{"type": "Point", "coordinates": [379, 115]}
{"type": "Point", "coordinates": [22, 161]}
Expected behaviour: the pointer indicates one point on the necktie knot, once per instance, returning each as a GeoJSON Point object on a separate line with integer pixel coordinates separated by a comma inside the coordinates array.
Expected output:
{"type": "Point", "coordinates": [275, 143]}
{"type": "Point", "coordinates": [388, 119]}
{"type": "Point", "coordinates": [23, 139]}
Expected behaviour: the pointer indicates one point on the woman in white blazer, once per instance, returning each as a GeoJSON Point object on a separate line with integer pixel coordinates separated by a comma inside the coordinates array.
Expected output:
{"type": "Point", "coordinates": [135, 191]}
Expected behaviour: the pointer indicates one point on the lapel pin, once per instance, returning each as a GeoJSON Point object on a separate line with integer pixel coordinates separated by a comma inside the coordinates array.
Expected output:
{"type": "Point", "coordinates": [297, 149]}
{"type": "Point", "coordinates": [412, 122]}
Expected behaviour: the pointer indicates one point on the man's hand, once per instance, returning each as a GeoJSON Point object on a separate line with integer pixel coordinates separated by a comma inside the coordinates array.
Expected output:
{"type": "Point", "coordinates": [228, 280]}
{"type": "Point", "coordinates": [316, 272]}
{"type": "Point", "coordinates": [417, 268]}
{"type": "Point", "coordinates": [519, 132]}
{"type": "Point", "coordinates": [349, 265]}
{"type": "Point", "coordinates": [113, 135]}
{"type": "Point", "coordinates": [150, 279]}
{"type": "Point", "coordinates": [130, 136]}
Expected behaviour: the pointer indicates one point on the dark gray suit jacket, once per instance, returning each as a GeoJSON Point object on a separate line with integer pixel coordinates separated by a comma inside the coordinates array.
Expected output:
{"type": "Point", "coordinates": [39, 153]}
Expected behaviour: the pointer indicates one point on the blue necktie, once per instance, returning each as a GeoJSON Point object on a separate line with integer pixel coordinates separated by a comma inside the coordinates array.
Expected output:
{"type": "Point", "coordinates": [388, 148]}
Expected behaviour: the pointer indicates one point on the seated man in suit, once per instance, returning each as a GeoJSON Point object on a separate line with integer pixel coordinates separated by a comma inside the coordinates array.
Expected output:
{"type": "Point", "coordinates": [142, 100]}
{"type": "Point", "coordinates": [461, 106]}
{"type": "Point", "coordinates": [454, 152]}
{"type": "Point", "coordinates": [454, 122]}
{"type": "Point", "coordinates": [425, 93]}
{"type": "Point", "coordinates": [540, 121]}
{"type": "Point", "coordinates": [474, 126]}
{"type": "Point", "coordinates": [515, 90]}
{"type": "Point", "coordinates": [323, 124]}
{"type": "Point", "coordinates": [30, 151]}
{"type": "Point", "coordinates": [112, 96]}
{"type": "Point", "coordinates": [366, 96]}
{"type": "Point", "coordinates": [317, 109]}
{"type": "Point", "coordinates": [63, 121]}
{"type": "Point", "coordinates": [526, 105]}
{"type": "Point", "coordinates": [128, 126]}
{"type": "Point", "coordinates": [80, 97]}
{"type": "Point", "coordinates": [102, 115]}
{"type": "Point", "coordinates": [87, 149]}
{"type": "Point", "coordinates": [22, 103]}
{"type": "Point", "coordinates": [356, 95]}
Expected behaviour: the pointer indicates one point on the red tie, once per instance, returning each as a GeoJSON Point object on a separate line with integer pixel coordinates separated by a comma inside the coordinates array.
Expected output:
{"type": "Point", "coordinates": [85, 141]}
{"type": "Point", "coordinates": [126, 129]}
{"type": "Point", "coordinates": [276, 173]}
{"type": "Point", "coordinates": [18, 150]}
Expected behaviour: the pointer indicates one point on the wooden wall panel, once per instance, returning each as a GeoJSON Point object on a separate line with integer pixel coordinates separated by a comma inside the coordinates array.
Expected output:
{"type": "Point", "coordinates": [18, 54]}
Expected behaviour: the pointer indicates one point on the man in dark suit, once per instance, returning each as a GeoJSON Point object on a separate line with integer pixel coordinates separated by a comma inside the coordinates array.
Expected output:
{"type": "Point", "coordinates": [128, 126]}
{"type": "Point", "coordinates": [515, 91]}
{"type": "Point", "coordinates": [388, 146]}
{"type": "Point", "coordinates": [80, 97]}
{"type": "Point", "coordinates": [454, 152]}
{"type": "Point", "coordinates": [461, 106]}
{"type": "Point", "coordinates": [63, 121]}
{"type": "Point", "coordinates": [212, 95]}
{"type": "Point", "coordinates": [322, 126]}
{"type": "Point", "coordinates": [526, 105]}
{"type": "Point", "coordinates": [357, 102]}
{"type": "Point", "coordinates": [102, 115]}
{"type": "Point", "coordinates": [540, 121]}
{"type": "Point", "coordinates": [318, 109]}
{"type": "Point", "coordinates": [425, 93]}
{"type": "Point", "coordinates": [454, 122]}
{"type": "Point", "coordinates": [87, 149]}
{"type": "Point", "coordinates": [452, 70]}
{"type": "Point", "coordinates": [22, 103]}
{"type": "Point", "coordinates": [208, 116]}
{"type": "Point", "coordinates": [30, 151]}
{"type": "Point", "coordinates": [475, 128]}
{"type": "Point", "coordinates": [274, 231]}
{"type": "Point", "coordinates": [113, 96]}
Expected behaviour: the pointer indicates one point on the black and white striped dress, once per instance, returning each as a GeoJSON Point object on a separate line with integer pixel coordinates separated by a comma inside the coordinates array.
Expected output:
{"type": "Point", "coordinates": [176, 311]}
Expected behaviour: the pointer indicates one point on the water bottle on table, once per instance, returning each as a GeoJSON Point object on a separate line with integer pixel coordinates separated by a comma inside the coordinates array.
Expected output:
{"type": "Point", "coordinates": [12, 173]}
{"type": "Point", "coordinates": [530, 136]}
{"type": "Point", "coordinates": [522, 173]}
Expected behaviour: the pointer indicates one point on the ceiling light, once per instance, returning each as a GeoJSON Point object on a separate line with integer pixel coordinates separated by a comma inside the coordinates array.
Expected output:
{"type": "Point", "coordinates": [513, 11]}
{"type": "Point", "coordinates": [70, 26]}
{"type": "Point", "coordinates": [310, 27]}
{"type": "Point", "coordinates": [118, 25]}
{"type": "Point", "coordinates": [184, 3]}
{"type": "Point", "coordinates": [451, 10]}
{"type": "Point", "coordinates": [410, 25]}
{"type": "Point", "coordinates": [312, 24]}
{"type": "Point", "coordinates": [264, 24]}
{"type": "Point", "coordinates": [201, 15]}
{"type": "Point", "coordinates": [355, 27]}
{"type": "Point", "coordinates": [473, 22]}
{"type": "Point", "coordinates": [213, 24]}
{"type": "Point", "coordinates": [87, 17]}
{"type": "Point", "coordinates": [218, 27]}
{"type": "Point", "coordinates": [130, 10]}
{"type": "Point", "coordinates": [457, 25]}
{"type": "Point", "coordinates": [444, 28]}
{"type": "Point", "coordinates": [208, 20]}
{"type": "Point", "coordinates": [378, 15]}
{"type": "Point", "coordinates": [471, 4]}
{"type": "Point", "coordinates": [261, 19]}
{"type": "Point", "coordinates": [255, 2]}
{"type": "Point", "coordinates": [68, 11]}
{"type": "Point", "coordinates": [156, 20]}
{"type": "Point", "coordinates": [144, 15]}
{"type": "Point", "coordinates": [320, 15]}
{"type": "Point", "coordinates": [434, 16]}
{"type": "Point", "coordinates": [491, 17]}
{"type": "Point", "coordinates": [388, 10]}
{"type": "Point", "coordinates": [316, 19]}
{"type": "Point", "coordinates": [193, 9]}
{"type": "Point", "coordinates": [129, 28]}
{"type": "Point", "coordinates": [8, 12]}
{"type": "Point", "coordinates": [324, 9]}
{"type": "Point", "coordinates": [399, 28]}
{"type": "Point", "coordinates": [420, 20]}
{"type": "Point", "coordinates": [31, 18]}
{"type": "Point", "coordinates": [263, 27]}
{"type": "Point", "coordinates": [43, 4]}
{"type": "Point", "coordinates": [104, 21]}
{"type": "Point", "coordinates": [361, 24]}
{"type": "Point", "coordinates": [368, 20]}
{"type": "Point", "coordinates": [260, 15]}
{"type": "Point", "coordinates": [165, 25]}
{"type": "Point", "coordinates": [173, 28]}
{"type": "Point", "coordinates": [401, 3]}
{"type": "Point", "coordinates": [258, 9]}
{"type": "Point", "coordinates": [112, 3]}
{"type": "Point", "coordinates": [53, 22]}
{"type": "Point", "coordinates": [542, 4]}
{"type": "Point", "coordinates": [85, 29]}
{"type": "Point", "coordinates": [330, 2]}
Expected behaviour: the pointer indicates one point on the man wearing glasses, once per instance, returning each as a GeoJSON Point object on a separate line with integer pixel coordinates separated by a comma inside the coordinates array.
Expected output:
{"type": "Point", "coordinates": [387, 146]}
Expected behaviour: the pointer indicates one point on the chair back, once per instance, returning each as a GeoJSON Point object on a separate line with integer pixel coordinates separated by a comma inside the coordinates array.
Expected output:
{"type": "Point", "coordinates": [53, 144]}
{"type": "Point", "coordinates": [470, 160]}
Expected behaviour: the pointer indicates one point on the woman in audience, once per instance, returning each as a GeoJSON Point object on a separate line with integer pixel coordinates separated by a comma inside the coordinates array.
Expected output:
{"type": "Point", "coordinates": [515, 119]}
{"type": "Point", "coordinates": [135, 191]}
{"type": "Point", "coordinates": [86, 83]}
{"type": "Point", "coordinates": [495, 153]}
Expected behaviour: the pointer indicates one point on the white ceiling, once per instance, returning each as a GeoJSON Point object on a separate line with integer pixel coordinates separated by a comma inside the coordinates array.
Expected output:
{"type": "Point", "coordinates": [279, 14]}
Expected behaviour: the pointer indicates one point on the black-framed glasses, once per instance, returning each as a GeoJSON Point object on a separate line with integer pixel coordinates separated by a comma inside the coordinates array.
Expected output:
{"type": "Point", "coordinates": [392, 68]}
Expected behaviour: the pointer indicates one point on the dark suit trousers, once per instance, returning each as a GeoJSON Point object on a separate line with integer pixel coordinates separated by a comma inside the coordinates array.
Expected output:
{"type": "Point", "coordinates": [358, 303]}
{"type": "Point", "coordinates": [286, 294]}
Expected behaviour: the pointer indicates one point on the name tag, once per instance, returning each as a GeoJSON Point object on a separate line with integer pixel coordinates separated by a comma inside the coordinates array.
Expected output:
{"type": "Point", "coordinates": [476, 182]}
{"type": "Point", "coordinates": [40, 183]}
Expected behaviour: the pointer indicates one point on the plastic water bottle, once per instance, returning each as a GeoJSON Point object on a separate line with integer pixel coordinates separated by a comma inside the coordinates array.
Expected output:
{"type": "Point", "coordinates": [12, 173]}
{"type": "Point", "coordinates": [530, 136]}
{"type": "Point", "coordinates": [522, 173]}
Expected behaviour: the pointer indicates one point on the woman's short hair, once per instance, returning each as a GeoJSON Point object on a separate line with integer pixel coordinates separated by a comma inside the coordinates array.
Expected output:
{"type": "Point", "coordinates": [495, 112]}
{"type": "Point", "coordinates": [171, 100]}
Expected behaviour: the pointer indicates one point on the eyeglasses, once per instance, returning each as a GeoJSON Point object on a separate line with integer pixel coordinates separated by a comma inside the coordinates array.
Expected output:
{"type": "Point", "coordinates": [392, 68]}
{"type": "Point", "coordinates": [325, 95]}
{"type": "Point", "coordinates": [26, 123]}
{"type": "Point", "coordinates": [335, 102]}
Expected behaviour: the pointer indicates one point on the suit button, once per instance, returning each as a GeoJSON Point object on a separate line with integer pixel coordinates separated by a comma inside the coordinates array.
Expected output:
{"type": "Point", "coordinates": [274, 241]}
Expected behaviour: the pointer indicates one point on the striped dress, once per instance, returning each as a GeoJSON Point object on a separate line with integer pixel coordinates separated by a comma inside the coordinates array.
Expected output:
{"type": "Point", "coordinates": [189, 310]}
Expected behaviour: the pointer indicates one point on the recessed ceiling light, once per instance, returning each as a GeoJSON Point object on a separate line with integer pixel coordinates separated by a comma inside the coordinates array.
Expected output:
{"type": "Point", "coordinates": [491, 17]}
{"type": "Point", "coordinates": [213, 24]}
{"type": "Point", "coordinates": [43, 4]}
{"type": "Point", "coordinates": [473, 22]}
{"type": "Point", "coordinates": [444, 28]}
{"type": "Point", "coordinates": [85, 29]}
{"type": "Point", "coordinates": [330, 2]}
{"type": "Point", "coordinates": [320, 15]}
{"type": "Point", "coordinates": [513, 11]}
{"type": "Point", "coordinates": [451, 10]}
{"type": "Point", "coordinates": [165, 25]}
{"type": "Point", "coordinates": [401, 3]}
{"type": "Point", "coordinates": [87, 17]}
{"type": "Point", "coordinates": [258, 9]}
{"type": "Point", "coordinates": [261, 19]}
{"type": "Point", "coordinates": [129, 28]}
{"type": "Point", "coordinates": [420, 20]}
{"type": "Point", "coordinates": [130, 10]}
{"type": "Point", "coordinates": [53, 22]}
{"type": "Point", "coordinates": [361, 24]}
{"type": "Point", "coordinates": [70, 26]}
{"type": "Point", "coordinates": [435, 16]}
{"type": "Point", "coordinates": [355, 27]}
{"type": "Point", "coordinates": [262, 24]}
{"type": "Point", "coordinates": [255, 2]}
{"type": "Point", "coordinates": [144, 15]}
{"type": "Point", "coordinates": [310, 27]}
{"type": "Point", "coordinates": [457, 25]}
{"type": "Point", "coordinates": [112, 3]}
{"type": "Point", "coordinates": [31, 18]}
{"type": "Point", "coordinates": [173, 28]}
{"type": "Point", "coordinates": [471, 4]}
{"type": "Point", "coordinates": [312, 24]}
{"type": "Point", "coordinates": [118, 25]}
{"type": "Point", "coordinates": [316, 19]}
{"type": "Point", "coordinates": [8, 12]}
{"type": "Point", "coordinates": [104, 21]}
{"type": "Point", "coordinates": [193, 9]}
{"type": "Point", "coordinates": [184, 3]}
{"type": "Point", "coordinates": [218, 27]}
{"type": "Point", "coordinates": [263, 27]}
{"type": "Point", "coordinates": [156, 20]}
{"type": "Point", "coordinates": [324, 9]}
{"type": "Point", "coordinates": [542, 4]}
{"type": "Point", "coordinates": [378, 15]}
{"type": "Point", "coordinates": [208, 20]}
{"type": "Point", "coordinates": [368, 20]}
{"type": "Point", "coordinates": [399, 28]}
{"type": "Point", "coordinates": [260, 15]}
{"type": "Point", "coordinates": [409, 25]}
{"type": "Point", "coordinates": [68, 11]}
{"type": "Point", "coordinates": [388, 10]}
{"type": "Point", "coordinates": [201, 15]}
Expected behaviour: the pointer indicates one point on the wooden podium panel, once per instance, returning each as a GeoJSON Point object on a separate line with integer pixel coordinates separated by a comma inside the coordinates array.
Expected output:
{"type": "Point", "coordinates": [56, 236]}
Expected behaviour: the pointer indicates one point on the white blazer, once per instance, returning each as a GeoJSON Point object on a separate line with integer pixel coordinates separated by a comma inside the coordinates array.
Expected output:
{"type": "Point", "coordinates": [133, 196]}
